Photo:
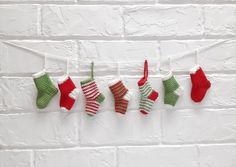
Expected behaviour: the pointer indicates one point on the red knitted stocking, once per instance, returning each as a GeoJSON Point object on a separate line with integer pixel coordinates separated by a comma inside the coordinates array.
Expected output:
{"type": "Point", "coordinates": [200, 84]}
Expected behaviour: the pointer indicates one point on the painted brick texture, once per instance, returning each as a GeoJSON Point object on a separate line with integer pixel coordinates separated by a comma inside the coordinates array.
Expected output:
{"type": "Point", "coordinates": [111, 31]}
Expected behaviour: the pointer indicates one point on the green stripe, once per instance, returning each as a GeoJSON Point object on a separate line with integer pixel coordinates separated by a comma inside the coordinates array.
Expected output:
{"type": "Point", "coordinates": [146, 90]}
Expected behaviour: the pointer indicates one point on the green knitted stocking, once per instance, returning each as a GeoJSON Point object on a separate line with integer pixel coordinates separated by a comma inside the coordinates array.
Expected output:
{"type": "Point", "coordinates": [172, 89]}
{"type": "Point", "coordinates": [46, 89]}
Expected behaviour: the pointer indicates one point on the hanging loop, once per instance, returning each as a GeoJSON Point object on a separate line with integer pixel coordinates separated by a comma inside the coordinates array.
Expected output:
{"type": "Point", "coordinates": [169, 63]}
{"type": "Point", "coordinates": [118, 69]}
{"type": "Point", "coordinates": [67, 66]}
{"type": "Point", "coordinates": [92, 67]}
{"type": "Point", "coordinates": [145, 69]}
{"type": "Point", "coordinates": [196, 56]}
{"type": "Point", "coordinates": [45, 61]}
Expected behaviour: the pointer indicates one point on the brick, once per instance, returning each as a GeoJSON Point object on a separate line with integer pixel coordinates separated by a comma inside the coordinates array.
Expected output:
{"type": "Point", "coordinates": [2, 105]}
{"type": "Point", "coordinates": [13, 58]}
{"type": "Point", "coordinates": [163, 21]}
{"type": "Point", "coordinates": [118, 1]}
{"type": "Point", "coordinates": [81, 21]}
{"type": "Point", "coordinates": [18, 20]}
{"type": "Point", "coordinates": [217, 155]}
{"type": "Point", "coordinates": [220, 20]}
{"type": "Point", "coordinates": [38, 130]}
{"type": "Point", "coordinates": [215, 59]}
{"type": "Point", "coordinates": [199, 126]}
{"type": "Point", "coordinates": [41, 1]}
{"type": "Point", "coordinates": [131, 128]}
{"type": "Point", "coordinates": [196, 1]}
{"type": "Point", "coordinates": [157, 156]}
{"type": "Point", "coordinates": [85, 157]}
{"type": "Point", "coordinates": [13, 158]}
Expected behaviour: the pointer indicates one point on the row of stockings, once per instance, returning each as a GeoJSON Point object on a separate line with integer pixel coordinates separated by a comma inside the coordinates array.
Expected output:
{"type": "Point", "coordinates": [122, 96]}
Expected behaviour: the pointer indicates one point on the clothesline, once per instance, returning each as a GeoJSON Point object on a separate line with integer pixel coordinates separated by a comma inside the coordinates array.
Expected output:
{"type": "Point", "coordinates": [43, 54]}
{"type": "Point", "coordinates": [172, 57]}
{"type": "Point", "coordinates": [94, 98]}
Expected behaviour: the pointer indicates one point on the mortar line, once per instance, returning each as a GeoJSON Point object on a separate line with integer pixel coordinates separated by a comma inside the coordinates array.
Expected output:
{"type": "Point", "coordinates": [64, 147]}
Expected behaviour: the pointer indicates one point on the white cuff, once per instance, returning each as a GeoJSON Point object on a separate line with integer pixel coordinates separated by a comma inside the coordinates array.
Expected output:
{"type": "Point", "coordinates": [64, 109]}
{"type": "Point", "coordinates": [169, 107]}
{"type": "Point", "coordinates": [74, 94]}
{"type": "Point", "coordinates": [167, 76]}
{"type": "Point", "coordinates": [62, 79]}
{"type": "Point", "coordinates": [39, 74]}
{"type": "Point", "coordinates": [113, 82]}
{"type": "Point", "coordinates": [179, 91]}
{"type": "Point", "coordinates": [128, 95]}
{"type": "Point", "coordinates": [194, 69]}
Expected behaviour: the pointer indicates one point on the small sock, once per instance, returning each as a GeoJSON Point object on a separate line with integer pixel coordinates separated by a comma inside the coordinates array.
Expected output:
{"type": "Point", "coordinates": [200, 84]}
{"type": "Point", "coordinates": [172, 89]}
{"type": "Point", "coordinates": [69, 92]}
{"type": "Point", "coordinates": [121, 95]}
{"type": "Point", "coordinates": [148, 94]}
{"type": "Point", "coordinates": [148, 98]}
{"type": "Point", "coordinates": [46, 89]}
{"type": "Point", "coordinates": [93, 97]}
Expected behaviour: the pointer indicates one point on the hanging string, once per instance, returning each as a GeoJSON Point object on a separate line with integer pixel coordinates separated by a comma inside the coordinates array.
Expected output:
{"type": "Point", "coordinates": [196, 56]}
{"type": "Point", "coordinates": [67, 66]}
{"type": "Point", "coordinates": [145, 72]}
{"type": "Point", "coordinates": [118, 69]}
{"type": "Point", "coordinates": [38, 53]}
{"type": "Point", "coordinates": [65, 59]}
{"type": "Point", "coordinates": [92, 66]}
{"type": "Point", "coordinates": [179, 56]}
{"type": "Point", "coordinates": [42, 54]}
{"type": "Point", "coordinates": [45, 62]}
{"type": "Point", "coordinates": [169, 60]}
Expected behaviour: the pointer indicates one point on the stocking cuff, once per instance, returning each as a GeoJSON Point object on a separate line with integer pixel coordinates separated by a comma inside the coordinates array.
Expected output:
{"type": "Point", "coordinates": [179, 91]}
{"type": "Point", "coordinates": [128, 95]}
{"type": "Point", "coordinates": [167, 76]}
{"type": "Point", "coordinates": [194, 69]}
{"type": "Point", "coordinates": [74, 94]}
{"type": "Point", "coordinates": [62, 79]}
{"type": "Point", "coordinates": [64, 109]}
{"type": "Point", "coordinates": [39, 74]}
{"type": "Point", "coordinates": [113, 82]}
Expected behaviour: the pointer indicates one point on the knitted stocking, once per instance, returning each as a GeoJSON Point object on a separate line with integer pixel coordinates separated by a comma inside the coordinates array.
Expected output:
{"type": "Point", "coordinates": [68, 91]}
{"type": "Point", "coordinates": [46, 89]}
{"type": "Point", "coordinates": [148, 95]}
{"type": "Point", "coordinates": [121, 95]}
{"type": "Point", "coordinates": [172, 89]}
{"type": "Point", "coordinates": [200, 84]}
{"type": "Point", "coordinates": [93, 97]}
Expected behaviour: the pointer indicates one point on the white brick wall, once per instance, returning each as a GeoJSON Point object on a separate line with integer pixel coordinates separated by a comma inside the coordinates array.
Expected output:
{"type": "Point", "coordinates": [129, 31]}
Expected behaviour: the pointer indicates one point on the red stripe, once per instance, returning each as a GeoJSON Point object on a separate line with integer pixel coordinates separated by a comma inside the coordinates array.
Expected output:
{"type": "Point", "coordinates": [84, 86]}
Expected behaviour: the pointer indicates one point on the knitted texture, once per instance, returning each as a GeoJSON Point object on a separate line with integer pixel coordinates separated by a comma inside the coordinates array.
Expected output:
{"type": "Point", "coordinates": [147, 95]}
{"type": "Point", "coordinates": [172, 89]}
{"type": "Point", "coordinates": [92, 95]}
{"type": "Point", "coordinates": [46, 89]}
{"type": "Point", "coordinates": [200, 84]}
{"type": "Point", "coordinates": [69, 93]}
{"type": "Point", "coordinates": [121, 96]}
